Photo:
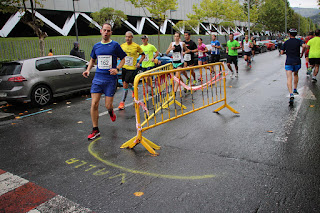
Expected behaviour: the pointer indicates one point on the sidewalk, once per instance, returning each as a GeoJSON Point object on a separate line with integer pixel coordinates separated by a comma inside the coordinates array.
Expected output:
{"type": "Point", "coordinates": [5, 116]}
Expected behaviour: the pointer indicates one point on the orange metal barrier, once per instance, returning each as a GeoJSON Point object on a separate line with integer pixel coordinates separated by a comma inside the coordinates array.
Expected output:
{"type": "Point", "coordinates": [163, 97]}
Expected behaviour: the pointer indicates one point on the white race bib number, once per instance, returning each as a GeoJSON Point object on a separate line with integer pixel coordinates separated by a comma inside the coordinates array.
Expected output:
{"type": "Point", "coordinates": [176, 56]}
{"type": "Point", "coordinates": [146, 58]}
{"type": "Point", "coordinates": [104, 61]}
{"type": "Point", "coordinates": [187, 57]}
{"type": "Point", "coordinates": [128, 61]}
{"type": "Point", "coordinates": [213, 49]}
{"type": "Point", "coordinates": [200, 54]}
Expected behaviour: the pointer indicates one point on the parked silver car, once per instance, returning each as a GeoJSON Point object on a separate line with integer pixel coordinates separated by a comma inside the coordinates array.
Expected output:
{"type": "Point", "coordinates": [40, 79]}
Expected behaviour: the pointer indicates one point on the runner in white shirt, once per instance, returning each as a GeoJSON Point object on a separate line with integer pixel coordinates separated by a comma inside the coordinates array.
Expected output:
{"type": "Point", "coordinates": [247, 50]}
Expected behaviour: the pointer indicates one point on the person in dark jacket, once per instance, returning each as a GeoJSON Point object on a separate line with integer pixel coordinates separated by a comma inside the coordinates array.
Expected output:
{"type": "Point", "coordinates": [75, 51]}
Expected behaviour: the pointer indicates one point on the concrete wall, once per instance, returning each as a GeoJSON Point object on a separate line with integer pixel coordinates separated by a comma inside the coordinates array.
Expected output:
{"type": "Point", "coordinates": [184, 7]}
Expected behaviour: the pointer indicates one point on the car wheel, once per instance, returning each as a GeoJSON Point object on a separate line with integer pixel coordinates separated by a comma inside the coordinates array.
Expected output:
{"type": "Point", "coordinates": [41, 95]}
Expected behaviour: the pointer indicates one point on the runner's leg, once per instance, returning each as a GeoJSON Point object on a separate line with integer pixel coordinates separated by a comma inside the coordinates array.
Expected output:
{"type": "Point", "coordinates": [295, 79]}
{"type": "Point", "coordinates": [95, 108]}
{"type": "Point", "coordinates": [289, 80]}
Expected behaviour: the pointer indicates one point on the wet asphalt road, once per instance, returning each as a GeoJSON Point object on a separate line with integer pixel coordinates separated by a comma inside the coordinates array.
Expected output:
{"type": "Point", "coordinates": [267, 159]}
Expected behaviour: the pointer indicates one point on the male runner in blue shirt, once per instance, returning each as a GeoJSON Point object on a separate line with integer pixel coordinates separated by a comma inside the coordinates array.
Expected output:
{"type": "Point", "coordinates": [105, 79]}
{"type": "Point", "coordinates": [293, 62]}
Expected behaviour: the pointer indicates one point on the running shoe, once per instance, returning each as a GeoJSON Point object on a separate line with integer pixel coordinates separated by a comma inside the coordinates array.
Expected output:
{"type": "Point", "coordinates": [309, 70]}
{"type": "Point", "coordinates": [231, 75]}
{"type": "Point", "coordinates": [291, 99]}
{"type": "Point", "coordinates": [114, 117]}
{"type": "Point", "coordinates": [236, 75]}
{"type": "Point", "coordinates": [194, 82]}
{"type": "Point", "coordinates": [295, 92]}
{"type": "Point", "coordinates": [188, 80]}
{"type": "Point", "coordinates": [250, 66]}
{"type": "Point", "coordinates": [94, 134]}
{"type": "Point", "coordinates": [121, 106]}
{"type": "Point", "coordinates": [314, 80]}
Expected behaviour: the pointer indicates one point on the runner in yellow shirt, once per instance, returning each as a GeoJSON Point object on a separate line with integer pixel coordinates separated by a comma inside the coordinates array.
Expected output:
{"type": "Point", "coordinates": [129, 69]}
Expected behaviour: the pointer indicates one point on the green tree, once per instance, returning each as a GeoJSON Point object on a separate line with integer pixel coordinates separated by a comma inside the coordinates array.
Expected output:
{"type": "Point", "coordinates": [110, 15]}
{"type": "Point", "coordinates": [233, 13]}
{"type": "Point", "coordinates": [157, 10]}
{"type": "Point", "coordinates": [272, 15]}
{"type": "Point", "coordinates": [12, 6]}
{"type": "Point", "coordinates": [211, 11]}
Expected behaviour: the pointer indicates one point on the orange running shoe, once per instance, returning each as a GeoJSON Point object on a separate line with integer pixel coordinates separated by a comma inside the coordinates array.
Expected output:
{"type": "Point", "coordinates": [121, 105]}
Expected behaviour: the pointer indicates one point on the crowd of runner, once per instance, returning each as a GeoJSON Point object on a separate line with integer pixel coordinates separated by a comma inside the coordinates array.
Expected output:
{"type": "Point", "coordinates": [107, 52]}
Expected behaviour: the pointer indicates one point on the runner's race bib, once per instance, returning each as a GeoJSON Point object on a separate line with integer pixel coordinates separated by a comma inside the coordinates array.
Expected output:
{"type": "Point", "coordinates": [128, 61]}
{"type": "Point", "coordinates": [176, 56]}
{"type": "Point", "coordinates": [146, 58]}
{"type": "Point", "coordinates": [104, 61]}
{"type": "Point", "coordinates": [200, 54]}
{"type": "Point", "coordinates": [187, 57]}
{"type": "Point", "coordinates": [213, 50]}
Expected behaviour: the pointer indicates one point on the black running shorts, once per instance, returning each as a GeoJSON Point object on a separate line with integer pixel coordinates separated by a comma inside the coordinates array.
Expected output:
{"type": "Point", "coordinates": [128, 75]}
{"type": "Point", "coordinates": [314, 61]}
{"type": "Point", "coordinates": [232, 59]}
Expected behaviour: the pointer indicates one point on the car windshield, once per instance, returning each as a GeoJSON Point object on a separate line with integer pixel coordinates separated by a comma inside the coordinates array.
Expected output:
{"type": "Point", "coordinates": [10, 69]}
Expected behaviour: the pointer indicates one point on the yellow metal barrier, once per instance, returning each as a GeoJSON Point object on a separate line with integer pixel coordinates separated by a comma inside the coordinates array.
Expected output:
{"type": "Point", "coordinates": [165, 97]}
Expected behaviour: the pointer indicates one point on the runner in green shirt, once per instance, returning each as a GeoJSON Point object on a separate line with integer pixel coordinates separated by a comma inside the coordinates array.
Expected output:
{"type": "Point", "coordinates": [232, 51]}
{"type": "Point", "coordinates": [314, 54]}
{"type": "Point", "coordinates": [149, 61]}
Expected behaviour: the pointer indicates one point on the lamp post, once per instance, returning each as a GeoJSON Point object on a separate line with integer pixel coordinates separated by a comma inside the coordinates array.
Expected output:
{"type": "Point", "coordinates": [285, 13]}
{"type": "Point", "coordinates": [171, 24]}
{"type": "Point", "coordinates": [299, 22]}
{"type": "Point", "coordinates": [249, 18]}
{"type": "Point", "coordinates": [75, 20]}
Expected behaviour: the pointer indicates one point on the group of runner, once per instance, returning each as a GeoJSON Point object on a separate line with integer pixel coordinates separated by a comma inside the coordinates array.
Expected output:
{"type": "Point", "coordinates": [107, 52]}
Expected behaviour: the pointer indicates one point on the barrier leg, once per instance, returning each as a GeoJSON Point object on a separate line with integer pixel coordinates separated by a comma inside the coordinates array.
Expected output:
{"type": "Point", "coordinates": [227, 106]}
{"type": "Point", "coordinates": [150, 146]}
{"type": "Point", "coordinates": [166, 105]}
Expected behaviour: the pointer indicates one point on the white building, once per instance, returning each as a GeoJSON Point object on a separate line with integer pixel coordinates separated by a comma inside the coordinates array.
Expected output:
{"type": "Point", "coordinates": [59, 18]}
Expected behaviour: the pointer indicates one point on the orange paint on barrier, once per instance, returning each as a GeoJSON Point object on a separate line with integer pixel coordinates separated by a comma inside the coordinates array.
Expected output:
{"type": "Point", "coordinates": [270, 131]}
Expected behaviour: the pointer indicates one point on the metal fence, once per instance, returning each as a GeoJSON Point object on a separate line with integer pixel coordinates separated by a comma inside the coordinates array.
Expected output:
{"type": "Point", "coordinates": [22, 49]}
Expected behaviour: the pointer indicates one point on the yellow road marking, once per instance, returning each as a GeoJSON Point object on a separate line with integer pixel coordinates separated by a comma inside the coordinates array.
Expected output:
{"type": "Point", "coordinates": [90, 149]}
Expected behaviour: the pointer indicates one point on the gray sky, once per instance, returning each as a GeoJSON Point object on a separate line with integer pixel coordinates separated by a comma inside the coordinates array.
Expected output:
{"type": "Point", "coordinates": [304, 3]}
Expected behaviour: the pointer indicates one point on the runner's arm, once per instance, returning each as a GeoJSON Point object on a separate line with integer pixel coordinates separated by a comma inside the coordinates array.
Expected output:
{"type": "Point", "coordinates": [114, 71]}
{"type": "Point", "coordinates": [186, 49]}
{"type": "Point", "coordinates": [90, 65]}
{"type": "Point", "coordinates": [169, 48]}
{"type": "Point", "coordinates": [141, 59]}
{"type": "Point", "coordinates": [155, 56]}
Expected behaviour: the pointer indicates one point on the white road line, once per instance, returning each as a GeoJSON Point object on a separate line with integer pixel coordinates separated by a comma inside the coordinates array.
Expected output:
{"type": "Point", "coordinates": [9, 182]}
{"type": "Point", "coordinates": [117, 109]}
{"type": "Point", "coordinates": [60, 204]}
{"type": "Point", "coordinates": [248, 84]}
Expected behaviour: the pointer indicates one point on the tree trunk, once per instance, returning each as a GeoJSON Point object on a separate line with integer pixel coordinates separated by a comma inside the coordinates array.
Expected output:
{"type": "Point", "coordinates": [42, 36]}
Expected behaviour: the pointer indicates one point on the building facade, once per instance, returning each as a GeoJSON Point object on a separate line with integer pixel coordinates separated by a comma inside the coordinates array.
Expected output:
{"type": "Point", "coordinates": [59, 18]}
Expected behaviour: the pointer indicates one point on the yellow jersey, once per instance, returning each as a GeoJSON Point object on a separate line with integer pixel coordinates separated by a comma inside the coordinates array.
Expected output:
{"type": "Point", "coordinates": [133, 51]}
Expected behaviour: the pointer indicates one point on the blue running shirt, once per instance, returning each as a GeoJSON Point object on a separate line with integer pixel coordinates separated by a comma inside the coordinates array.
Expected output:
{"type": "Point", "coordinates": [106, 55]}
{"type": "Point", "coordinates": [215, 50]}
